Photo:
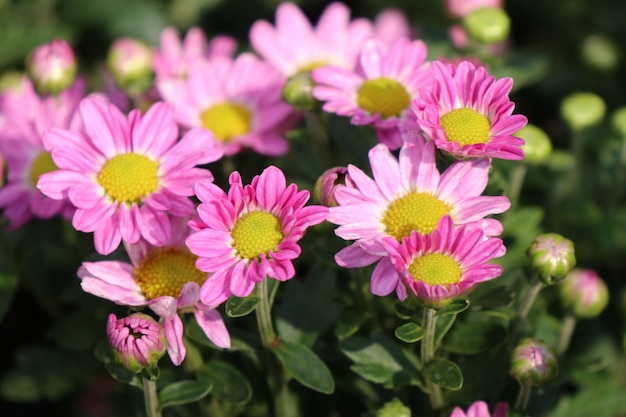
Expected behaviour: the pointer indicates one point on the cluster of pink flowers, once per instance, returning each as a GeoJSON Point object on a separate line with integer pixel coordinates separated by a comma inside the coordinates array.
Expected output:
{"type": "Point", "coordinates": [131, 178]}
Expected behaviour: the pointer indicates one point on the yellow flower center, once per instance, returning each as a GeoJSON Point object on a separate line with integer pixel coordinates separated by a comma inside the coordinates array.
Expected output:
{"type": "Point", "coordinates": [384, 96]}
{"type": "Point", "coordinates": [414, 211]}
{"type": "Point", "coordinates": [466, 126]}
{"type": "Point", "coordinates": [227, 120]}
{"type": "Point", "coordinates": [43, 163]}
{"type": "Point", "coordinates": [255, 233]}
{"type": "Point", "coordinates": [165, 270]}
{"type": "Point", "coordinates": [129, 177]}
{"type": "Point", "coordinates": [435, 269]}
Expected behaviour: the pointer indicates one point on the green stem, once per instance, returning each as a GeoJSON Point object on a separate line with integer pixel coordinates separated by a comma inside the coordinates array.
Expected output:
{"type": "Point", "coordinates": [150, 398]}
{"type": "Point", "coordinates": [263, 315]}
{"type": "Point", "coordinates": [567, 329]}
{"type": "Point", "coordinates": [523, 397]}
{"type": "Point", "coordinates": [517, 180]}
{"type": "Point", "coordinates": [428, 353]}
{"type": "Point", "coordinates": [535, 286]}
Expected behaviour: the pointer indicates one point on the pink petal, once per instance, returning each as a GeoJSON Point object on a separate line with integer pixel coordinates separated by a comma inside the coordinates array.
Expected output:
{"type": "Point", "coordinates": [211, 322]}
{"type": "Point", "coordinates": [174, 336]}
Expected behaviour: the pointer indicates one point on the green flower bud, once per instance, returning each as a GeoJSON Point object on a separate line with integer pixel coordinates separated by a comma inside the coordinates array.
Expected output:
{"type": "Point", "coordinates": [584, 293]}
{"type": "Point", "coordinates": [551, 256]}
{"type": "Point", "coordinates": [582, 110]}
{"type": "Point", "coordinates": [618, 121]}
{"type": "Point", "coordinates": [394, 408]}
{"type": "Point", "coordinates": [600, 52]}
{"type": "Point", "coordinates": [52, 66]}
{"type": "Point", "coordinates": [533, 362]}
{"type": "Point", "coordinates": [298, 92]}
{"type": "Point", "coordinates": [130, 62]}
{"type": "Point", "coordinates": [538, 146]}
{"type": "Point", "coordinates": [488, 25]}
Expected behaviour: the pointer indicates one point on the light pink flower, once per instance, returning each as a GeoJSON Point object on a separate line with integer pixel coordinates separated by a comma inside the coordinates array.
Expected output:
{"type": "Point", "coordinates": [125, 174]}
{"type": "Point", "coordinates": [461, 8]}
{"type": "Point", "coordinates": [467, 113]}
{"type": "Point", "coordinates": [238, 101]}
{"type": "Point", "coordinates": [480, 409]}
{"type": "Point", "coordinates": [390, 25]}
{"type": "Point", "coordinates": [250, 233]}
{"type": "Point", "coordinates": [294, 45]}
{"type": "Point", "coordinates": [408, 194]}
{"type": "Point", "coordinates": [445, 264]}
{"type": "Point", "coordinates": [28, 117]}
{"type": "Point", "coordinates": [166, 280]}
{"type": "Point", "coordinates": [380, 91]}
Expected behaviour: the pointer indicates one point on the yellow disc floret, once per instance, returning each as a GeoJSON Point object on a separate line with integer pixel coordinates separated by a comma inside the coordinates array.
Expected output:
{"type": "Point", "coordinates": [435, 269]}
{"type": "Point", "coordinates": [414, 211]}
{"type": "Point", "coordinates": [384, 96]}
{"type": "Point", "coordinates": [129, 177]}
{"type": "Point", "coordinates": [165, 270]}
{"type": "Point", "coordinates": [43, 163]}
{"type": "Point", "coordinates": [227, 120]}
{"type": "Point", "coordinates": [256, 233]}
{"type": "Point", "coordinates": [466, 126]}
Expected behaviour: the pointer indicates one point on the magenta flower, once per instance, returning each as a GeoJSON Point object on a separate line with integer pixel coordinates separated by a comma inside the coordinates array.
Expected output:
{"type": "Point", "coordinates": [28, 117]}
{"type": "Point", "coordinates": [166, 280]}
{"type": "Point", "coordinates": [124, 175]}
{"type": "Point", "coordinates": [446, 264]}
{"type": "Point", "coordinates": [480, 409]}
{"type": "Point", "coordinates": [138, 341]}
{"type": "Point", "coordinates": [467, 113]}
{"type": "Point", "coordinates": [251, 232]}
{"type": "Point", "coordinates": [408, 194]}
{"type": "Point", "coordinates": [380, 91]}
{"type": "Point", "coordinates": [238, 101]}
{"type": "Point", "coordinates": [294, 45]}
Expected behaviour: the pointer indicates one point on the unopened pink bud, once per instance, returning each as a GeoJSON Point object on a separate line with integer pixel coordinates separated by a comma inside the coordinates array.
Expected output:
{"type": "Point", "coordinates": [52, 66]}
{"type": "Point", "coordinates": [138, 341]}
{"type": "Point", "coordinates": [461, 8]}
{"type": "Point", "coordinates": [130, 62]}
{"type": "Point", "coordinates": [327, 184]}
{"type": "Point", "coordinates": [552, 256]}
{"type": "Point", "coordinates": [584, 293]}
{"type": "Point", "coordinates": [533, 362]}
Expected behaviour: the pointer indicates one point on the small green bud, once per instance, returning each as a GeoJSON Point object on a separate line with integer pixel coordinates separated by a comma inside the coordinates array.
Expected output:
{"type": "Point", "coordinates": [618, 121]}
{"type": "Point", "coordinates": [130, 62]}
{"type": "Point", "coordinates": [488, 25]}
{"type": "Point", "coordinates": [600, 52]}
{"type": "Point", "coordinates": [298, 92]}
{"type": "Point", "coordinates": [551, 256]}
{"type": "Point", "coordinates": [533, 362]}
{"type": "Point", "coordinates": [538, 146]}
{"type": "Point", "coordinates": [394, 408]}
{"type": "Point", "coordinates": [584, 293]}
{"type": "Point", "coordinates": [582, 110]}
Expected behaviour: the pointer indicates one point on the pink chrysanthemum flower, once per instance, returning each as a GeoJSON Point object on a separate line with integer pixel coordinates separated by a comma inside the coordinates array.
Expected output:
{"type": "Point", "coordinates": [28, 117]}
{"type": "Point", "coordinates": [124, 175]}
{"type": "Point", "coordinates": [294, 45]}
{"type": "Point", "coordinates": [468, 113]}
{"type": "Point", "coordinates": [447, 263]}
{"type": "Point", "coordinates": [408, 194]}
{"type": "Point", "coordinates": [380, 91]}
{"type": "Point", "coordinates": [250, 233]}
{"type": "Point", "coordinates": [390, 25]}
{"type": "Point", "coordinates": [480, 409]}
{"type": "Point", "coordinates": [238, 101]}
{"type": "Point", "coordinates": [166, 280]}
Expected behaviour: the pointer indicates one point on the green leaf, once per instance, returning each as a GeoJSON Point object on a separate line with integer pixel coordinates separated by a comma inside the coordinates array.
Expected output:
{"type": "Point", "coordinates": [472, 337]}
{"type": "Point", "coordinates": [443, 324]}
{"type": "Point", "coordinates": [183, 392]}
{"type": "Point", "coordinates": [228, 383]}
{"type": "Point", "coordinates": [305, 366]}
{"type": "Point", "coordinates": [239, 307]}
{"type": "Point", "coordinates": [349, 323]}
{"type": "Point", "coordinates": [410, 332]}
{"type": "Point", "coordinates": [19, 386]}
{"type": "Point", "coordinates": [8, 284]}
{"type": "Point", "coordinates": [455, 307]}
{"type": "Point", "coordinates": [123, 375]}
{"type": "Point", "coordinates": [444, 373]}
{"type": "Point", "coordinates": [394, 408]}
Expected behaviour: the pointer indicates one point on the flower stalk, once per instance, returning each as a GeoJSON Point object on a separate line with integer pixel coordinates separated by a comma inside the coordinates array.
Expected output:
{"type": "Point", "coordinates": [428, 353]}
{"type": "Point", "coordinates": [150, 398]}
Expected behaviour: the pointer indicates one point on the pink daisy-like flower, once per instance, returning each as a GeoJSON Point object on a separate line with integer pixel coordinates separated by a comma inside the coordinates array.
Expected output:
{"type": "Point", "coordinates": [447, 263]}
{"type": "Point", "coordinates": [294, 45]}
{"type": "Point", "coordinates": [408, 194]}
{"type": "Point", "coordinates": [390, 25]}
{"type": "Point", "coordinates": [166, 280]}
{"type": "Point", "coordinates": [480, 409]}
{"type": "Point", "coordinates": [250, 233]}
{"type": "Point", "coordinates": [380, 91]}
{"type": "Point", "coordinates": [238, 101]}
{"type": "Point", "coordinates": [124, 175]}
{"type": "Point", "coordinates": [28, 117]}
{"type": "Point", "coordinates": [467, 113]}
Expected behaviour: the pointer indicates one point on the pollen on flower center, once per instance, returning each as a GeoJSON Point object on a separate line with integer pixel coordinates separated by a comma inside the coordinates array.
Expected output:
{"type": "Point", "coordinates": [129, 177]}
{"type": "Point", "coordinates": [43, 163]}
{"type": "Point", "coordinates": [256, 233]}
{"type": "Point", "coordinates": [435, 269]}
{"type": "Point", "coordinates": [384, 96]}
{"type": "Point", "coordinates": [414, 211]}
{"type": "Point", "coordinates": [465, 126]}
{"type": "Point", "coordinates": [227, 120]}
{"type": "Point", "coordinates": [165, 271]}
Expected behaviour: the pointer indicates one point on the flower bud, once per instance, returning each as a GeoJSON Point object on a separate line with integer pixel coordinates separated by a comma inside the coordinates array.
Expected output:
{"type": "Point", "coordinates": [298, 91]}
{"type": "Point", "coordinates": [584, 293]}
{"type": "Point", "coordinates": [618, 121]}
{"type": "Point", "coordinates": [138, 341]}
{"type": "Point", "coordinates": [600, 52]}
{"type": "Point", "coordinates": [538, 146]}
{"type": "Point", "coordinates": [488, 25]}
{"type": "Point", "coordinates": [52, 66]}
{"type": "Point", "coordinates": [130, 62]}
{"type": "Point", "coordinates": [552, 256]}
{"type": "Point", "coordinates": [461, 8]}
{"type": "Point", "coordinates": [327, 183]}
{"type": "Point", "coordinates": [582, 110]}
{"type": "Point", "coordinates": [533, 362]}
